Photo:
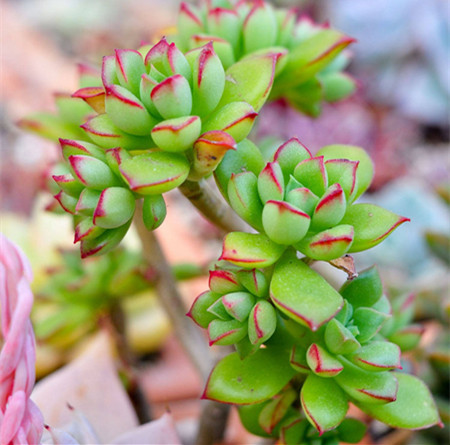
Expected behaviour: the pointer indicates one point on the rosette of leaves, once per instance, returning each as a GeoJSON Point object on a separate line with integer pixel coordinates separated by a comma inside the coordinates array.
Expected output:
{"type": "Point", "coordinates": [77, 294]}
{"type": "Point", "coordinates": [301, 200]}
{"type": "Point", "coordinates": [312, 62]}
{"type": "Point", "coordinates": [306, 375]}
{"type": "Point", "coordinates": [184, 105]}
{"type": "Point", "coordinates": [236, 310]}
{"type": "Point", "coordinates": [162, 118]}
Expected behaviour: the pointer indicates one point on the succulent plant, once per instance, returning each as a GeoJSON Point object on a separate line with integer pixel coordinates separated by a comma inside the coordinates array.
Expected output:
{"type": "Point", "coordinates": [303, 201]}
{"type": "Point", "coordinates": [162, 118]}
{"type": "Point", "coordinates": [305, 75]}
{"type": "Point", "coordinates": [342, 358]}
{"type": "Point", "coordinates": [179, 111]}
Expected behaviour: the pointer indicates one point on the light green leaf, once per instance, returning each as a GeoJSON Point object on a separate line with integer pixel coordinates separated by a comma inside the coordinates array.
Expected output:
{"type": "Point", "coordinates": [302, 294]}
{"type": "Point", "coordinates": [413, 409]}
{"type": "Point", "coordinates": [372, 225]}
{"type": "Point", "coordinates": [251, 380]}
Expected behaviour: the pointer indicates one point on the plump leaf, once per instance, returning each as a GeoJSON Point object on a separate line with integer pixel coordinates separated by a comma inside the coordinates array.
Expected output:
{"type": "Point", "coordinates": [244, 198]}
{"type": "Point", "coordinates": [250, 80]}
{"type": "Point", "coordinates": [372, 225]}
{"type": "Point", "coordinates": [154, 173]}
{"type": "Point", "coordinates": [364, 171]}
{"type": "Point", "coordinates": [249, 250]}
{"type": "Point", "coordinates": [249, 416]}
{"type": "Point", "coordinates": [324, 403]}
{"type": "Point", "coordinates": [226, 332]}
{"type": "Point", "coordinates": [351, 430]}
{"type": "Point", "coordinates": [284, 223]}
{"type": "Point", "coordinates": [251, 380]}
{"type": "Point", "coordinates": [378, 356]}
{"type": "Point", "coordinates": [367, 387]}
{"type": "Point", "coordinates": [328, 244]}
{"type": "Point", "coordinates": [262, 322]}
{"type": "Point", "coordinates": [368, 321]}
{"type": "Point", "coordinates": [302, 294]}
{"type": "Point", "coordinates": [337, 86]}
{"type": "Point", "coordinates": [198, 311]}
{"type": "Point", "coordinates": [339, 339]}
{"type": "Point", "coordinates": [322, 362]}
{"type": "Point", "coordinates": [275, 410]}
{"type": "Point", "coordinates": [312, 55]}
{"type": "Point", "coordinates": [413, 409]}
{"type": "Point", "coordinates": [246, 157]}
{"type": "Point", "coordinates": [365, 290]}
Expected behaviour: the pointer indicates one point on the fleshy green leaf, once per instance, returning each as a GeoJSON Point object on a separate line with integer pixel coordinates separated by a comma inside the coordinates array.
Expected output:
{"type": "Point", "coordinates": [365, 290]}
{"type": "Point", "coordinates": [351, 430]}
{"type": "Point", "coordinates": [367, 387]}
{"type": "Point", "coordinates": [250, 80]}
{"type": "Point", "coordinates": [251, 380]}
{"type": "Point", "coordinates": [249, 250]}
{"type": "Point", "coordinates": [372, 225]}
{"type": "Point", "coordinates": [413, 409]}
{"type": "Point", "coordinates": [324, 403]}
{"type": "Point", "coordinates": [154, 173]}
{"type": "Point", "coordinates": [377, 356]}
{"type": "Point", "coordinates": [246, 157]}
{"type": "Point", "coordinates": [302, 294]}
{"type": "Point", "coordinates": [364, 171]}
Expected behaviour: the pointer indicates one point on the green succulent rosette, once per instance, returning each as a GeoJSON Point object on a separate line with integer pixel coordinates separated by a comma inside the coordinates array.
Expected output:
{"type": "Point", "coordinates": [301, 200]}
{"type": "Point", "coordinates": [308, 365]}
{"type": "Point", "coordinates": [313, 58]}
{"type": "Point", "coordinates": [158, 118]}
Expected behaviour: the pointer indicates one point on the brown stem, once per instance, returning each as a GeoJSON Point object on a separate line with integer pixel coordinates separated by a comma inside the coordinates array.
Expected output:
{"type": "Point", "coordinates": [214, 415]}
{"type": "Point", "coordinates": [116, 325]}
{"type": "Point", "coordinates": [212, 423]}
{"type": "Point", "coordinates": [212, 207]}
{"type": "Point", "coordinates": [187, 333]}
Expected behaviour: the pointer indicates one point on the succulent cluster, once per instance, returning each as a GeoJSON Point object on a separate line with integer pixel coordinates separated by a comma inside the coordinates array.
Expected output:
{"type": "Point", "coordinates": [237, 28]}
{"type": "Point", "coordinates": [327, 360]}
{"type": "Point", "coordinates": [236, 310]}
{"type": "Point", "coordinates": [162, 119]}
{"type": "Point", "coordinates": [182, 109]}
{"type": "Point", "coordinates": [155, 117]}
{"type": "Point", "coordinates": [303, 201]}
{"type": "Point", "coordinates": [78, 293]}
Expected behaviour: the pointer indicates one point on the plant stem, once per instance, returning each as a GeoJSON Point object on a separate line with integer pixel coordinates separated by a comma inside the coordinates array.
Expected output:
{"type": "Point", "coordinates": [187, 333]}
{"type": "Point", "coordinates": [212, 423]}
{"type": "Point", "coordinates": [116, 325]}
{"type": "Point", "coordinates": [212, 207]}
{"type": "Point", "coordinates": [214, 415]}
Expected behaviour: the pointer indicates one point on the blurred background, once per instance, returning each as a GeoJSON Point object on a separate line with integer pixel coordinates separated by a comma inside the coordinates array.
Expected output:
{"type": "Point", "coordinates": [400, 114]}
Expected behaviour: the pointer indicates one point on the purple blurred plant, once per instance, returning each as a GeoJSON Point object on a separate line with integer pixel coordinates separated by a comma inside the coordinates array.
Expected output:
{"type": "Point", "coordinates": [21, 421]}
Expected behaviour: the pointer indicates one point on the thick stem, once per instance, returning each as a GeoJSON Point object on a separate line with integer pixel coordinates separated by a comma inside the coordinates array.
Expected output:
{"type": "Point", "coordinates": [116, 325]}
{"type": "Point", "coordinates": [187, 333]}
{"type": "Point", "coordinates": [214, 415]}
{"type": "Point", "coordinates": [212, 207]}
{"type": "Point", "coordinates": [213, 423]}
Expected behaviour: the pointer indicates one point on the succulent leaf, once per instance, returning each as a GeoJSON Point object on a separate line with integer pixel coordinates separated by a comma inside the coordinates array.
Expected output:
{"type": "Point", "coordinates": [372, 225]}
{"type": "Point", "coordinates": [262, 322]}
{"type": "Point", "coordinates": [154, 173]}
{"type": "Point", "coordinates": [154, 211]}
{"type": "Point", "coordinates": [324, 403]}
{"type": "Point", "coordinates": [179, 134]}
{"type": "Point", "coordinates": [284, 223]}
{"type": "Point", "coordinates": [414, 407]}
{"type": "Point", "coordinates": [249, 250]}
{"type": "Point", "coordinates": [254, 379]}
{"type": "Point", "coordinates": [302, 294]}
